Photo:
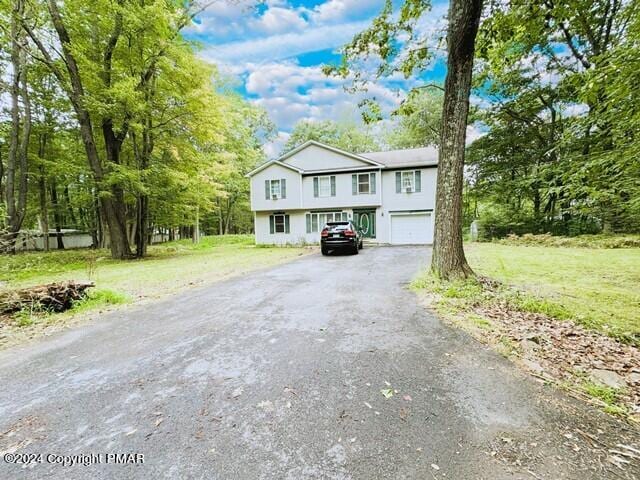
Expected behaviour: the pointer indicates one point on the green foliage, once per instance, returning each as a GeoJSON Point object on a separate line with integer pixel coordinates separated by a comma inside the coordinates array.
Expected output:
{"type": "Point", "coordinates": [345, 135]}
{"type": "Point", "coordinates": [559, 77]}
{"type": "Point", "coordinates": [419, 120]}
{"type": "Point", "coordinates": [186, 139]}
{"type": "Point", "coordinates": [100, 298]}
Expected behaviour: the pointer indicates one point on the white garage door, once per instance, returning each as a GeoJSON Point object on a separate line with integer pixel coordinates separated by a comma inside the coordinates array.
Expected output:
{"type": "Point", "coordinates": [412, 228]}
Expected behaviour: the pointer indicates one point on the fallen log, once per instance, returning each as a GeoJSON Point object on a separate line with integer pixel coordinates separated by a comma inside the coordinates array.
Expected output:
{"type": "Point", "coordinates": [55, 297]}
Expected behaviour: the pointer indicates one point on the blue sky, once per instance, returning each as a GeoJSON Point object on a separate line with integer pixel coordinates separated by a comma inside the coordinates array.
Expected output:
{"type": "Point", "coordinates": [275, 50]}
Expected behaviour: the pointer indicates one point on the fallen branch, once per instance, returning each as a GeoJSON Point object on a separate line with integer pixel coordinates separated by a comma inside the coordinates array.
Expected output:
{"type": "Point", "coordinates": [56, 297]}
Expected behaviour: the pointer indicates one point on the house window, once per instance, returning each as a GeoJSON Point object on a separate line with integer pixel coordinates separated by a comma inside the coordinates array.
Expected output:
{"type": "Point", "coordinates": [324, 186]}
{"type": "Point", "coordinates": [275, 189]}
{"type": "Point", "coordinates": [363, 183]}
{"type": "Point", "coordinates": [407, 181]}
{"type": "Point", "coordinates": [279, 223]}
{"type": "Point", "coordinates": [315, 221]}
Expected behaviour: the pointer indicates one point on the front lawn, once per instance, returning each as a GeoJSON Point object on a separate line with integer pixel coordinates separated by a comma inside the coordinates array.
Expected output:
{"type": "Point", "coordinates": [599, 288]}
{"type": "Point", "coordinates": [169, 267]}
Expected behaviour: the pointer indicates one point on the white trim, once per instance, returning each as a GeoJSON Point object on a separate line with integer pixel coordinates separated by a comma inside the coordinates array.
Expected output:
{"type": "Point", "coordinates": [330, 148]}
{"type": "Point", "coordinates": [273, 162]}
{"type": "Point", "coordinates": [371, 168]}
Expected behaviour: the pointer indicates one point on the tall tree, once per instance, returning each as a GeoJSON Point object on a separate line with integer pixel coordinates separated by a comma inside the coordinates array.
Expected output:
{"type": "Point", "coordinates": [419, 119]}
{"type": "Point", "coordinates": [17, 157]}
{"type": "Point", "coordinates": [94, 56]}
{"type": "Point", "coordinates": [395, 38]}
{"type": "Point", "coordinates": [448, 260]}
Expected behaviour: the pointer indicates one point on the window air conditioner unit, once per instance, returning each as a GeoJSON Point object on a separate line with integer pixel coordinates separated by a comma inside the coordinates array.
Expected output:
{"type": "Point", "coordinates": [274, 197]}
{"type": "Point", "coordinates": [407, 189]}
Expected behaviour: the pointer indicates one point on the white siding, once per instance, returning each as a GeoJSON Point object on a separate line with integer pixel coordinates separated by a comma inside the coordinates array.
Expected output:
{"type": "Point", "coordinates": [344, 194]}
{"type": "Point", "coordinates": [275, 172]}
{"type": "Point", "coordinates": [317, 158]}
{"type": "Point", "coordinates": [423, 200]}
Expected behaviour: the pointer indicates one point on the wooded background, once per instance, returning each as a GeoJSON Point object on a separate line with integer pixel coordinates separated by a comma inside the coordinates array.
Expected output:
{"type": "Point", "coordinates": [114, 125]}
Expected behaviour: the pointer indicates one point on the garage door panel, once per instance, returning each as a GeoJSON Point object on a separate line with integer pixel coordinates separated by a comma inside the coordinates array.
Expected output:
{"type": "Point", "coordinates": [411, 229]}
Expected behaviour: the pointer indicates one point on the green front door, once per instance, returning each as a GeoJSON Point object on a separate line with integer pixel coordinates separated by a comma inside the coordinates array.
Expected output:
{"type": "Point", "coordinates": [366, 221]}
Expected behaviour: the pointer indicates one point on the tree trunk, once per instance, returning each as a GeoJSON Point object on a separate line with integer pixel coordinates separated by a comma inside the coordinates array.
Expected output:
{"type": "Point", "coordinates": [18, 141]}
{"type": "Point", "coordinates": [112, 205]}
{"type": "Point", "coordinates": [448, 260]}
{"type": "Point", "coordinates": [57, 217]}
{"type": "Point", "coordinates": [196, 227]}
{"type": "Point", "coordinates": [44, 211]}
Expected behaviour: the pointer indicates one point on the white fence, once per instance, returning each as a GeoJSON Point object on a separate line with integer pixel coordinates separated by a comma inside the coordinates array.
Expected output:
{"type": "Point", "coordinates": [27, 241]}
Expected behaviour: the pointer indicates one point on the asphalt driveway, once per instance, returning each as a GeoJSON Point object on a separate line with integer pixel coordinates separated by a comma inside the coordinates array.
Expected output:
{"type": "Point", "coordinates": [279, 375]}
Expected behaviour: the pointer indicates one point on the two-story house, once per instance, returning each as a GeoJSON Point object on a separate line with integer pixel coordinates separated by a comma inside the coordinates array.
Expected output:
{"type": "Point", "coordinates": [390, 195]}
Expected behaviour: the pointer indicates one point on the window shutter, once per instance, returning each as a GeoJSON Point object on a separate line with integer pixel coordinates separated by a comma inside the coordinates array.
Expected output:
{"type": "Point", "coordinates": [333, 185]}
{"type": "Point", "coordinates": [286, 224]}
{"type": "Point", "coordinates": [272, 224]}
{"type": "Point", "coordinates": [308, 222]}
{"type": "Point", "coordinates": [372, 182]}
{"type": "Point", "coordinates": [283, 188]}
{"type": "Point", "coordinates": [398, 182]}
{"type": "Point", "coordinates": [267, 190]}
{"type": "Point", "coordinates": [315, 186]}
{"type": "Point", "coordinates": [354, 184]}
{"type": "Point", "coordinates": [417, 181]}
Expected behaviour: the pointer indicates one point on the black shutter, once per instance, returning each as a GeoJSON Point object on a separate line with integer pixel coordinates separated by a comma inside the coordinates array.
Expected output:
{"type": "Point", "coordinates": [398, 182]}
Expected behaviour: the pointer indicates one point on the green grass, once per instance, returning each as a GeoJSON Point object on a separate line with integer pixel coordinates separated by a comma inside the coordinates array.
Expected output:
{"type": "Point", "coordinates": [599, 288]}
{"type": "Point", "coordinates": [168, 268]}
{"type": "Point", "coordinates": [609, 396]}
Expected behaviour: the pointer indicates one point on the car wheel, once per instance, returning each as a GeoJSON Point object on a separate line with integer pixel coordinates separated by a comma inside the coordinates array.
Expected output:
{"type": "Point", "coordinates": [361, 244]}
{"type": "Point", "coordinates": [324, 251]}
{"type": "Point", "coordinates": [356, 250]}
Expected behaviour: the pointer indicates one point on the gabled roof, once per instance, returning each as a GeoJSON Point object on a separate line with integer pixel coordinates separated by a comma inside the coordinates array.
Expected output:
{"type": "Point", "coordinates": [410, 157]}
{"type": "Point", "coordinates": [425, 156]}
{"type": "Point", "coordinates": [330, 148]}
{"type": "Point", "coordinates": [273, 162]}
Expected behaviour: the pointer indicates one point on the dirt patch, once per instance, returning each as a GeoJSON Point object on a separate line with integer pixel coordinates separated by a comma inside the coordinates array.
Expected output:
{"type": "Point", "coordinates": [565, 351]}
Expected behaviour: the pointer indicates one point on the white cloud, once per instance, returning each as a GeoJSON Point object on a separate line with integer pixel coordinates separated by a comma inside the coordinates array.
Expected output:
{"type": "Point", "coordinates": [476, 131]}
{"type": "Point", "coordinates": [273, 148]}
{"type": "Point", "coordinates": [290, 93]}
{"type": "Point", "coordinates": [575, 109]}
{"type": "Point", "coordinates": [334, 10]}
{"type": "Point", "coordinates": [278, 20]}
{"type": "Point", "coordinates": [286, 45]}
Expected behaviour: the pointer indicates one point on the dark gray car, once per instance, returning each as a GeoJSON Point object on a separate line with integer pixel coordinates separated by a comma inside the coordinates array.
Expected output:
{"type": "Point", "coordinates": [340, 236]}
